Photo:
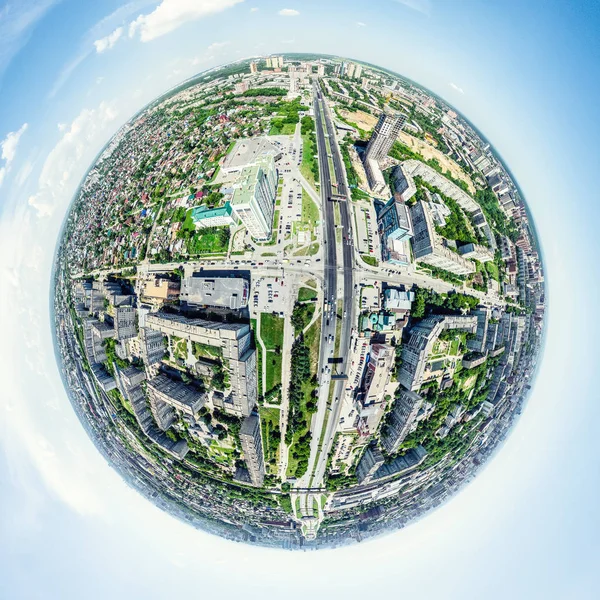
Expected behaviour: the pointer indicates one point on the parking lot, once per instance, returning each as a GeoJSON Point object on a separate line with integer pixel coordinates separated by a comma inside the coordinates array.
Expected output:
{"type": "Point", "coordinates": [270, 294]}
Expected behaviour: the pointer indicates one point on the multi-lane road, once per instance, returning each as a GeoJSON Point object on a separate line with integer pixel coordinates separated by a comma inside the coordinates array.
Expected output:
{"type": "Point", "coordinates": [338, 305]}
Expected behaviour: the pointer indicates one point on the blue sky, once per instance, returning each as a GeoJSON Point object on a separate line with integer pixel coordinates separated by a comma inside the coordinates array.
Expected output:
{"type": "Point", "coordinates": [527, 74]}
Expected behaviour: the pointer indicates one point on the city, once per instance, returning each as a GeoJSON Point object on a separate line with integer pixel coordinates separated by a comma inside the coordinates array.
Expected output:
{"type": "Point", "coordinates": [298, 301]}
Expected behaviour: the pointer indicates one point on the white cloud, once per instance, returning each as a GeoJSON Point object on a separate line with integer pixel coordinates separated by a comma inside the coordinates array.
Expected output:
{"type": "Point", "coordinates": [361, 24]}
{"type": "Point", "coordinates": [254, 9]}
{"type": "Point", "coordinates": [107, 42]}
{"type": "Point", "coordinates": [23, 173]}
{"type": "Point", "coordinates": [8, 150]}
{"type": "Point", "coordinates": [217, 46]}
{"type": "Point", "coordinates": [288, 41]}
{"type": "Point", "coordinates": [288, 12]}
{"type": "Point", "coordinates": [457, 88]}
{"type": "Point", "coordinates": [171, 14]}
{"type": "Point", "coordinates": [422, 6]}
{"type": "Point", "coordinates": [9, 144]}
{"type": "Point", "coordinates": [82, 137]}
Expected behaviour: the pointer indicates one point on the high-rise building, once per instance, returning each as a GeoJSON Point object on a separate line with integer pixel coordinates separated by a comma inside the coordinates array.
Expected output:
{"type": "Point", "coordinates": [400, 419]}
{"type": "Point", "coordinates": [235, 343]}
{"type": "Point", "coordinates": [251, 440]}
{"type": "Point", "coordinates": [428, 246]}
{"type": "Point", "coordinates": [416, 352]}
{"type": "Point", "coordinates": [184, 398]}
{"type": "Point", "coordinates": [350, 70]}
{"type": "Point", "coordinates": [253, 68]}
{"type": "Point", "coordinates": [369, 464]}
{"type": "Point", "coordinates": [125, 322]}
{"type": "Point", "coordinates": [268, 61]}
{"type": "Point", "coordinates": [253, 201]}
{"type": "Point", "coordinates": [321, 70]}
{"type": "Point", "coordinates": [357, 71]}
{"type": "Point", "coordinates": [385, 134]}
{"type": "Point", "coordinates": [370, 400]}
{"type": "Point", "coordinates": [395, 230]}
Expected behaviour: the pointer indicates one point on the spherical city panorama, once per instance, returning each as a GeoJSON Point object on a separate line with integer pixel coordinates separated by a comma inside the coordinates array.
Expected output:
{"type": "Point", "coordinates": [298, 301]}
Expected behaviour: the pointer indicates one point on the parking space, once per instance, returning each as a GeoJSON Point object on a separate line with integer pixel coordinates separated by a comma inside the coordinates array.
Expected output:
{"type": "Point", "coordinates": [270, 294]}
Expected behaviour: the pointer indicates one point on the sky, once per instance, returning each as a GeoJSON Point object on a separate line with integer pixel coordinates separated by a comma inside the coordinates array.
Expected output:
{"type": "Point", "coordinates": [526, 74]}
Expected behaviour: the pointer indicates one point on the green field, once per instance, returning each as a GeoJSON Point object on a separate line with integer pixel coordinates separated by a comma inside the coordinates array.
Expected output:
{"type": "Point", "coordinates": [269, 422]}
{"type": "Point", "coordinates": [271, 330]}
{"type": "Point", "coordinates": [305, 293]}
{"type": "Point", "coordinates": [273, 367]}
{"type": "Point", "coordinates": [370, 260]}
{"type": "Point", "coordinates": [209, 242]}
{"type": "Point", "coordinates": [309, 250]}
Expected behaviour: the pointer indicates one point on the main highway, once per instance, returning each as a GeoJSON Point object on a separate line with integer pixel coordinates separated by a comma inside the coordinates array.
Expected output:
{"type": "Point", "coordinates": [325, 127]}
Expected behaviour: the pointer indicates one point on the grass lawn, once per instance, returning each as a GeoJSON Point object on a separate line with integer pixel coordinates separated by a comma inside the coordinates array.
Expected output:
{"type": "Point", "coordinates": [305, 293]}
{"type": "Point", "coordinates": [179, 346]}
{"type": "Point", "coordinates": [313, 339]}
{"type": "Point", "coordinates": [273, 366]}
{"type": "Point", "coordinates": [205, 351]}
{"type": "Point", "coordinates": [370, 260]}
{"type": "Point", "coordinates": [271, 330]}
{"type": "Point", "coordinates": [269, 421]}
{"type": "Point", "coordinates": [188, 223]}
{"type": "Point", "coordinates": [207, 243]}
{"type": "Point", "coordinates": [310, 250]}
{"type": "Point", "coordinates": [284, 129]}
{"type": "Point", "coordinates": [311, 283]}
{"type": "Point", "coordinates": [309, 161]}
{"type": "Point", "coordinates": [492, 270]}
{"type": "Point", "coordinates": [310, 211]}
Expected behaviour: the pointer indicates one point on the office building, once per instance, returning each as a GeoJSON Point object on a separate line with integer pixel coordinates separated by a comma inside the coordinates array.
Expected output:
{"type": "Point", "coordinates": [253, 199]}
{"type": "Point", "coordinates": [395, 229]}
{"type": "Point", "coordinates": [428, 246]}
{"type": "Point", "coordinates": [402, 183]}
{"type": "Point", "coordinates": [235, 343]}
{"type": "Point", "coordinates": [222, 292]}
{"type": "Point", "coordinates": [416, 367]}
{"type": "Point", "coordinates": [400, 419]}
{"type": "Point", "coordinates": [251, 440]}
{"type": "Point", "coordinates": [384, 134]}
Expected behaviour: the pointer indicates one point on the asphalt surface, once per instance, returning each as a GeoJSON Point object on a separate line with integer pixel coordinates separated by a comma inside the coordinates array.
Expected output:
{"type": "Point", "coordinates": [348, 278]}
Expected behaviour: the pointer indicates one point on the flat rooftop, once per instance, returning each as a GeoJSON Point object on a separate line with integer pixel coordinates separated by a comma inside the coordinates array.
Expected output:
{"type": "Point", "coordinates": [225, 292]}
{"type": "Point", "coordinates": [246, 151]}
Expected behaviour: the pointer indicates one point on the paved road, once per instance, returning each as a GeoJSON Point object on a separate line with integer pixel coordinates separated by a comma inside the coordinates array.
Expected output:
{"type": "Point", "coordinates": [348, 294]}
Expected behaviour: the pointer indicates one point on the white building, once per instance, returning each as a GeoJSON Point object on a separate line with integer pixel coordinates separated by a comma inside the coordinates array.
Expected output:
{"type": "Point", "coordinates": [253, 199]}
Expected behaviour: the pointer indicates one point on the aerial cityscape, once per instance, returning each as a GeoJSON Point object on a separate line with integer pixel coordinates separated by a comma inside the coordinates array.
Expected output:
{"type": "Point", "coordinates": [299, 301]}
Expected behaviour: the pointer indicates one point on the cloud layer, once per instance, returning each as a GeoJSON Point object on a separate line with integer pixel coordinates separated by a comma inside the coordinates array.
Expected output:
{"type": "Point", "coordinates": [107, 42]}
{"type": "Point", "coordinates": [171, 14]}
{"type": "Point", "coordinates": [8, 149]}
